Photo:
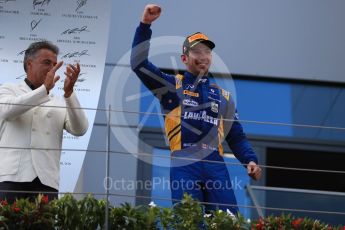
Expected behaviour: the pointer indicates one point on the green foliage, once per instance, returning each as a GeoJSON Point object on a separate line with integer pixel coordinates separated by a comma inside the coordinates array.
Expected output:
{"type": "Point", "coordinates": [166, 217]}
{"type": "Point", "coordinates": [67, 213]}
{"type": "Point", "coordinates": [92, 212]}
{"type": "Point", "coordinates": [126, 217]}
{"type": "Point", "coordinates": [89, 213]}
{"type": "Point", "coordinates": [188, 214]}
{"type": "Point", "coordinates": [223, 220]}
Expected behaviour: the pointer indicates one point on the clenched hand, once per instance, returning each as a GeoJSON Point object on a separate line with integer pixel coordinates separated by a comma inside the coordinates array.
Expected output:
{"type": "Point", "coordinates": [151, 13]}
{"type": "Point", "coordinates": [254, 171]}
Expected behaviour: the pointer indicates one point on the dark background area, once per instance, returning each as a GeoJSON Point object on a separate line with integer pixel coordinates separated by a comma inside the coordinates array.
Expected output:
{"type": "Point", "coordinates": [296, 158]}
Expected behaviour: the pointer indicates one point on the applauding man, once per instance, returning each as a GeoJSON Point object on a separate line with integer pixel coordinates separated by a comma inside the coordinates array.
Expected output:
{"type": "Point", "coordinates": [32, 123]}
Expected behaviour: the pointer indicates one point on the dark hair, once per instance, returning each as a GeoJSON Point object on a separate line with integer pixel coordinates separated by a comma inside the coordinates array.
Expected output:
{"type": "Point", "coordinates": [33, 48]}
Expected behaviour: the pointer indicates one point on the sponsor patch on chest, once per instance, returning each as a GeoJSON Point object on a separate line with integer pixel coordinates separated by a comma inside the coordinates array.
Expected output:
{"type": "Point", "coordinates": [213, 92]}
{"type": "Point", "coordinates": [190, 102]}
{"type": "Point", "coordinates": [190, 93]}
{"type": "Point", "coordinates": [200, 116]}
{"type": "Point", "coordinates": [214, 107]}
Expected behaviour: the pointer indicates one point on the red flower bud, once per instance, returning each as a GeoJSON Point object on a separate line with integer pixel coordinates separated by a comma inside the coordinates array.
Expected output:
{"type": "Point", "coordinates": [259, 226]}
{"type": "Point", "coordinates": [44, 199]}
{"type": "Point", "coordinates": [15, 208]}
{"type": "Point", "coordinates": [296, 223]}
{"type": "Point", "coordinates": [4, 202]}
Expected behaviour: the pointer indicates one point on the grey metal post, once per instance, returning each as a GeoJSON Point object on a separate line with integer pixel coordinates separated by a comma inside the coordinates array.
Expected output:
{"type": "Point", "coordinates": [107, 169]}
{"type": "Point", "coordinates": [255, 201]}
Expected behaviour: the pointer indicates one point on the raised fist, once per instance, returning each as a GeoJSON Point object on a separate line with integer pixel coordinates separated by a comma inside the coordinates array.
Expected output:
{"type": "Point", "coordinates": [151, 13]}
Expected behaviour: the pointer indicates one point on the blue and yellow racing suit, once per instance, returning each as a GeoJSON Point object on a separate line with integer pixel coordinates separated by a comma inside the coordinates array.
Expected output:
{"type": "Point", "coordinates": [198, 116]}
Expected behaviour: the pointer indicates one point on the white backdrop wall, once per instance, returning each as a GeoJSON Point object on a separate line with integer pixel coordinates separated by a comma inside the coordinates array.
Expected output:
{"type": "Point", "coordinates": [80, 29]}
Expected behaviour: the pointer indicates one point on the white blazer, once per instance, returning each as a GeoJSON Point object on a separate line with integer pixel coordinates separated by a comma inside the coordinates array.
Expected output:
{"type": "Point", "coordinates": [31, 131]}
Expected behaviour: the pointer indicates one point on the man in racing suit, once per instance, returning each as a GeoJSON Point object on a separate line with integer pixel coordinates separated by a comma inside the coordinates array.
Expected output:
{"type": "Point", "coordinates": [198, 115]}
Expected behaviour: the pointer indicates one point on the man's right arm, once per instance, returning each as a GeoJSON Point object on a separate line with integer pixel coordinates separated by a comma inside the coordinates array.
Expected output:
{"type": "Point", "coordinates": [152, 77]}
{"type": "Point", "coordinates": [12, 105]}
